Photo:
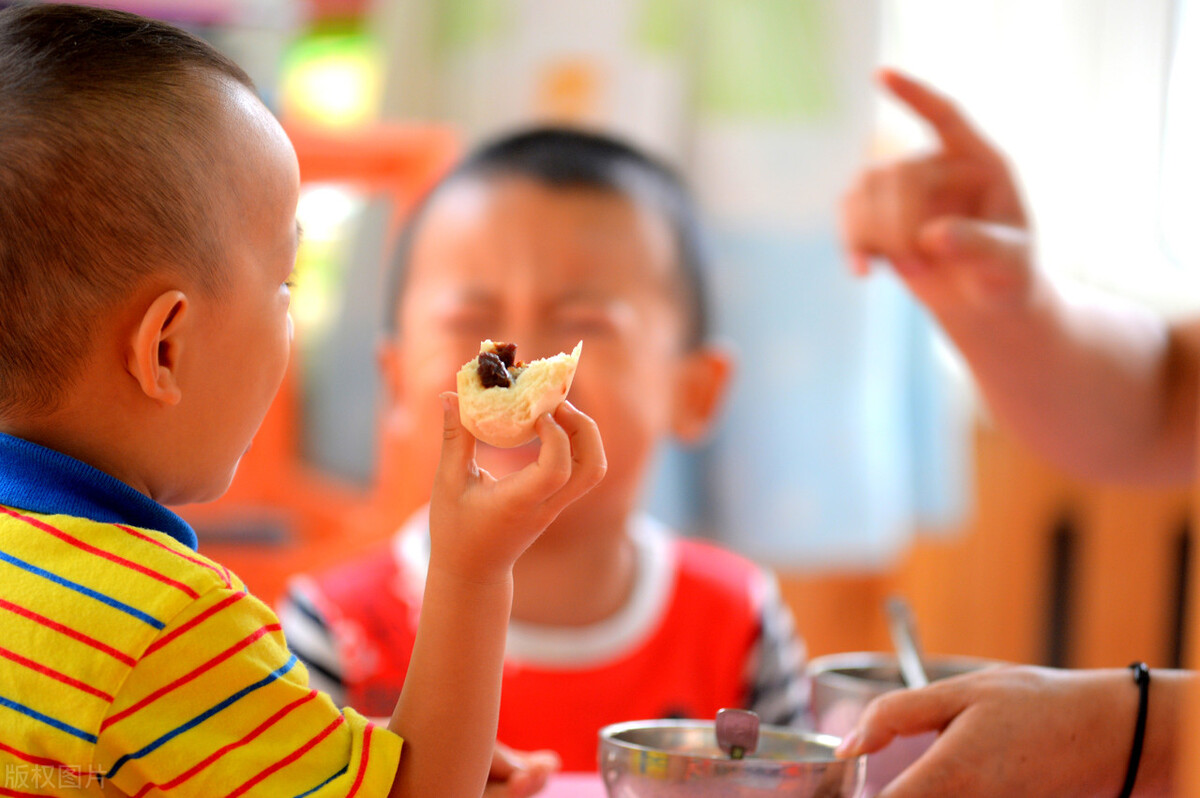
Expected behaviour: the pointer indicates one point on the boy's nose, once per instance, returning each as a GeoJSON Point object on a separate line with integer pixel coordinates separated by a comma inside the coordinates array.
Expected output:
{"type": "Point", "coordinates": [523, 330]}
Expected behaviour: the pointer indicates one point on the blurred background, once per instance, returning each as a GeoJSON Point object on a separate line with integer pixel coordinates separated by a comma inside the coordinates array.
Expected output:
{"type": "Point", "coordinates": [854, 457]}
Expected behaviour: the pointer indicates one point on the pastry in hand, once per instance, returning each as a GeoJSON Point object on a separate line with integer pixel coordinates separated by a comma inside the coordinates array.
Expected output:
{"type": "Point", "coordinates": [500, 397]}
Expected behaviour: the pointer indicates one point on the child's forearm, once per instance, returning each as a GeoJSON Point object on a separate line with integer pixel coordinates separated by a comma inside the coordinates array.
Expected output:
{"type": "Point", "coordinates": [1101, 388]}
{"type": "Point", "coordinates": [448, 710]}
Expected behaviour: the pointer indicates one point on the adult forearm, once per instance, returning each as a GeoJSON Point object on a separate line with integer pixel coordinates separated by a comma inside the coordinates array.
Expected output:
{"type": "Point", "coordinates": [1100, 387]}
{"type": "Point", "coordinates": [448, 710]}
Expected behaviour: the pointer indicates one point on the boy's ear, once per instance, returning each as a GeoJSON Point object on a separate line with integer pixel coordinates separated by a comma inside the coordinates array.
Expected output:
{"type": "Point", "coordinates": [702, 382]}
{"type": "Point", "coordinates": [390, 363]}
{"type": "Point", "coordinates": [396, 419]}
{"type": "Point", "coordinates": [157, 345]}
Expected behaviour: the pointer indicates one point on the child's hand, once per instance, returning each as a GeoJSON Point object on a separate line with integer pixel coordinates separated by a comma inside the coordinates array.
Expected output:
{"type": "Point", "coordinates": [479, 525]}
{"type": "Point", "coordinates": [519, 774]}
{"type": "Point", "coordinates": [952, 222]}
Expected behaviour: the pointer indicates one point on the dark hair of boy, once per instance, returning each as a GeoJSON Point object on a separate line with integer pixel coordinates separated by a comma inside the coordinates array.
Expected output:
{"type": "Point", "coordinates": [568, 158]}
{"type": "Point", "coordinates": [107, 176]}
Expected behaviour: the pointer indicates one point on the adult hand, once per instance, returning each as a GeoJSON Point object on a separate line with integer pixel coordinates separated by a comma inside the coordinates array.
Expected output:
{"type": "Point", "coordinates": [1033, 732]}
{"type": "Point", "coordinates": [952, 222]}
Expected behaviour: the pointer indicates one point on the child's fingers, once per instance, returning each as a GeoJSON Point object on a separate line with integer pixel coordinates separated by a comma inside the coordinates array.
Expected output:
{"type": "Point", "coordinates": [458, 445]}
{"type": "Point", "coordinates": [520, 774]}
{"type": "Point", "coordinates": [588, 461]}
{"type": "Point", "coordinates": [535, 771]}
{"type": "Point", "coordinates": [505, 762]}
{"type": "Point", "coordinates": [570, 463]}
{"type": "Point", "coordinates": [541, 479]}
{"type": "Point", "coordinates": [951, 125]}
{"type": "Point", "coordinates": [544, 761]}
{"type": "Point", "coordinates": [525, 784]}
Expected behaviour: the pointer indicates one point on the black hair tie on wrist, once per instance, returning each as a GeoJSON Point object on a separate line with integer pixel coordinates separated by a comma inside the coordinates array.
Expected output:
{"type": "Point", "coordinates": [1141, 677]}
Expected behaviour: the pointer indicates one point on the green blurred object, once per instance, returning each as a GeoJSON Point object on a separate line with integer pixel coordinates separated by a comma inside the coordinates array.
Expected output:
{"type": "Point", "coordinates": [660, 27]}
{"type": "Point", "coordinates": [769, 59]}
{"type": "Point", "coordinates": [466, 23]}
{"type": "Point", "coordinates": [333, 75]}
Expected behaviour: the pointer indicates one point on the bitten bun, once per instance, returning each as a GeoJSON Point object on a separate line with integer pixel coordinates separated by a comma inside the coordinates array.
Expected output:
{"type": "Point", "coordinates": [504, 416]}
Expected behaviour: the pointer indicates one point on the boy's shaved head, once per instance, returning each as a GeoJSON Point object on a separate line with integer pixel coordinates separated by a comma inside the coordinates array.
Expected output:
{"type": "Point", "coordinates": [110, 165]}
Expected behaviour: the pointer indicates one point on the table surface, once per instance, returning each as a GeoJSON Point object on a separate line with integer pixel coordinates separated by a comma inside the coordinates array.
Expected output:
{"type": "Point", "coordinates": [574, 785]}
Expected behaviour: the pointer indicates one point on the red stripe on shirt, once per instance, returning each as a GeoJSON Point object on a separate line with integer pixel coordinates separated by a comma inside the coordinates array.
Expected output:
{"type": "Point", "coordinates": [53, 674]}
{"type": "Point", "coordinates": [216, 755]}
{"type": "Point", "coordinates": [162, 545]}
{"type": "Point", "coordinates": [58, 627]}
{"type": "Point", "coordinates": [15, 794]}
{"type": "Point", "coordinates": [174, 633]}
{"type": "Point", "coordinates": [189, 676]}
{"type": "Point", "coordinates": [41, 761]}
{"type": "Point", "coordinates": [362, 763]}
{"type": "Point", "coordinates": [107, 555]}
{"type": "Point", "coordinates": [290, 758]}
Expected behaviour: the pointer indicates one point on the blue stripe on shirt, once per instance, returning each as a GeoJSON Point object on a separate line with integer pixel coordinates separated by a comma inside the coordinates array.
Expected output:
{"type": "Point", "coordinates": [78, 588]}
{"type": "Point", "coordinates": [196, 721]}
{"type": "Point", "coordinates": [340, 773]}
{"type": "Point", "coordinates": [58, 724]}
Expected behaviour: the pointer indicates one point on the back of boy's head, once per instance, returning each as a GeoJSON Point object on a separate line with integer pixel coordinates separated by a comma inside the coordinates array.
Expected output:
{"type": "Point", "coordinates": [107, 176]}
{"type": "Point", "coordinates": [568, 158]}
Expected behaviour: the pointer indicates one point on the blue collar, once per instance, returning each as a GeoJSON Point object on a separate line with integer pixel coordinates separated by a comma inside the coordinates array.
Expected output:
{"type": "Point", "coordinates": [41, 480]}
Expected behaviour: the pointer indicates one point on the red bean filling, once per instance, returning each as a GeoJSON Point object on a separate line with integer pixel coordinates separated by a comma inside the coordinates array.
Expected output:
{"type": "Point", "coordinates": [493, 373]}
{"type": "Point", "coordinates": [507, 353]}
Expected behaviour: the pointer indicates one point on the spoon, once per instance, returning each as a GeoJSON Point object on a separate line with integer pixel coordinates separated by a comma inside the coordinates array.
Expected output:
{"type": "Point", "coordinates": [904, 638]}
{"type": "Point", "coordinates": [737, 732]}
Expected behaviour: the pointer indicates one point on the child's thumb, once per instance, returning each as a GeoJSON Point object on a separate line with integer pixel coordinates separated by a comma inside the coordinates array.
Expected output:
{"type": "Point", "coordinates": [458, 445]}
{"type": "Point", "coordinates": [983, 243]}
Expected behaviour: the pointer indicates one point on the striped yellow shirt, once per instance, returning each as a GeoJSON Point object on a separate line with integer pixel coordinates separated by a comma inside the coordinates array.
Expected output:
{"type": "Point", "coordinates": [130, 664]}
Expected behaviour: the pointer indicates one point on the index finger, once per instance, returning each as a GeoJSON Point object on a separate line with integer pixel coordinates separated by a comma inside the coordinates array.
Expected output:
{"type": "Point", "coordinates": [903, 713]}
{"type": "Point", "coordinates": [574, 436]}
{"type": "Point", "coordinates": [588, 460]}
{"type": "Point", "coordinates": [956, 133]}
{"type": "Point", "coordinates": [539, 481]}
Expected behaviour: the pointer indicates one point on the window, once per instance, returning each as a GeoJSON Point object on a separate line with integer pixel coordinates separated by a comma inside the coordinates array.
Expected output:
{"type": "Point", "coordinates": [1180, 200]}
{"type": "Point", "coordinates": [1076, 94]}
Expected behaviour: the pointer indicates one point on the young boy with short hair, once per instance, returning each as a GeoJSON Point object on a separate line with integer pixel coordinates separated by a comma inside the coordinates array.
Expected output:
{"type": "Point", "coordinates": [147, 237]}
{"type": "Point", "coordinates": [544, 238]}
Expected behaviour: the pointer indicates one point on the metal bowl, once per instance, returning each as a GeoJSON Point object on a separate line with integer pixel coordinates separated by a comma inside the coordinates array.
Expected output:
{"type": "Point", "coordinates": [843, 685]}
{"type": "Point", "coordinates": [680, 759]}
